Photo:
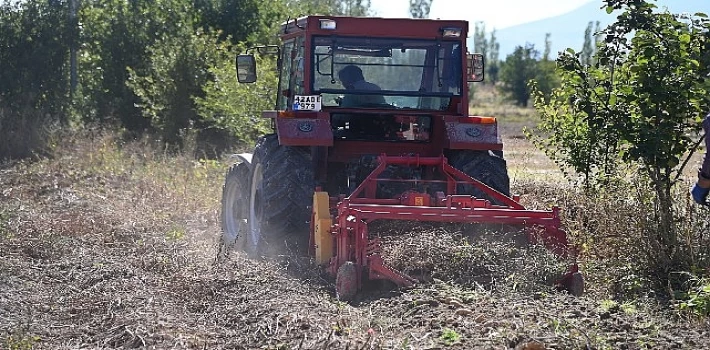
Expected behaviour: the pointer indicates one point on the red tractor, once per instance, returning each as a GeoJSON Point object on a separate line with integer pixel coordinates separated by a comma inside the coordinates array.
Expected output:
{"type": "Point", "coordinates": [371, 123]}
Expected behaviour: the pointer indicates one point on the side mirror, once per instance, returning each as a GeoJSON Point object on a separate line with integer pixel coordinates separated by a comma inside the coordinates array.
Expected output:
{"type": "Point", "coordinates": [474, 67]}
{"type": "Point", "coordinates": [246, 68]}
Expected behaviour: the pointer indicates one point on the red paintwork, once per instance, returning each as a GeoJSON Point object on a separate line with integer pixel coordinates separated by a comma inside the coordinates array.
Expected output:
{"type": "Point", "coordinates": [471, 135]}
{"type": "Point", "coordinates": [447, 136]}
{"type": "Point", "coordinates": [304, 132]}
{"type": "Point", "coordinates": [415, 198]}
{"type": "Point", "coordinates": [375, 27]}
{"type": "Point", "coordinates": [353, 213]}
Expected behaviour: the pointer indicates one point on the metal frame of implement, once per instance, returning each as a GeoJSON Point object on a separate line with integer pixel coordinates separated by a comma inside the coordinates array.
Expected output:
{"type": "Point", "coordinates": [345, 238]}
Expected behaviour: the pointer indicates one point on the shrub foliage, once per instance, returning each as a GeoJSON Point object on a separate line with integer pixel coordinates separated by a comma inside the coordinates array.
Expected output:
{"type": "Point", "coordinates": [638, 106]}
{"type": "Point", "coordinates": [143, 66]}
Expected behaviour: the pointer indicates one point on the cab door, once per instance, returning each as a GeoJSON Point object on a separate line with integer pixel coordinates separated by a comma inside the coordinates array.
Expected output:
{"type": "Point", "coordinates": [292, 73]}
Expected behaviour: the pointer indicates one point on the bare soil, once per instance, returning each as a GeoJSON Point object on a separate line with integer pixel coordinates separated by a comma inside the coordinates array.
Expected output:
{"type": "Point", "coordinates": [103, 248]}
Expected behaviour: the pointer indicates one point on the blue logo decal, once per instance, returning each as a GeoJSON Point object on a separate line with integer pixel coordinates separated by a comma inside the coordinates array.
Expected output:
{"type": "Point", "coordinates": [305, 126]}
{"type": "Point", "coordinates": [473, 132]}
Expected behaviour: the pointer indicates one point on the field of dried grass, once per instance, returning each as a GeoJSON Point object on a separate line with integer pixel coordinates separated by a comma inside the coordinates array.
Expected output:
{"type": "Point", "coordinates": [110, 244]}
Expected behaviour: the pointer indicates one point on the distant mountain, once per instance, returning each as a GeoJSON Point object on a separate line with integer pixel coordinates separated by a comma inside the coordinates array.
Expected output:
{"type": "Point", "coordinates": [567, 30]}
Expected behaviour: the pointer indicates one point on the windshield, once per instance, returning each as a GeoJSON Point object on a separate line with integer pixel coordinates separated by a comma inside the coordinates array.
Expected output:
{"type": "Point", "coordinates": [386, 73]}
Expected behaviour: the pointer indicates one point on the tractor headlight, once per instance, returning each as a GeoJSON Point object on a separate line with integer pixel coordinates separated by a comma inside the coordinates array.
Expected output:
{"type": "Point", "coordinates": [451, 32]}
{"type": "Point", "coordinates": [327, 24]}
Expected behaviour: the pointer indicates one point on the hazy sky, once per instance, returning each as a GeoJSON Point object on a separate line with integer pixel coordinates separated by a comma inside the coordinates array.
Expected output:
{"type": "Point", "coordinates": [497, 13]}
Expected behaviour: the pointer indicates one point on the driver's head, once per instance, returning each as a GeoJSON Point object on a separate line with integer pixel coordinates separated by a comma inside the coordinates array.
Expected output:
{"type": "Point", "coordinates": [349, 75]}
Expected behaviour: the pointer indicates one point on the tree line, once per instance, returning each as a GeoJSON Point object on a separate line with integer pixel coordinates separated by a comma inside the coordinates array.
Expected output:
{"type": "Point", "coordinates": [164, 67]}
{"type": "Point", "coordinates": [526, 63]}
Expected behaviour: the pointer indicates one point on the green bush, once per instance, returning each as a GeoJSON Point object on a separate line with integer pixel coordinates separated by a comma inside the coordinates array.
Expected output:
{"type": "Point", "coordinates": [634, 111]}
{"type": "Point", "coordinates": [697, 299]}
{"type": "Point", "coordinates": [116, 35]}
{"type": "Point", "coordinates": [178, 68]}
{"type": "Point", "coordinates": [34, 77]}
{"type": "Point", "coordinates": [236, 107]}
{"type": "Point", "coordinates": [523, 67]}
{"type": "Point", "coordinates": [34, 54]}
{"type": "Point", "coordinates": [191, 86]}
{"type": "Point", "coordinates": [24, 133]}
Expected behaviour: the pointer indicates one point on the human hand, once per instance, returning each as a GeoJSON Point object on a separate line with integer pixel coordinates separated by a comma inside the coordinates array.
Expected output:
{"type": "Point", "coordinates": [700, 194]}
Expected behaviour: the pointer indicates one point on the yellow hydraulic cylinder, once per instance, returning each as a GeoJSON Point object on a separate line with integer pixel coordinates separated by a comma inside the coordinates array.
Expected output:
{"type": "Point", "coordinates": [322, 223]}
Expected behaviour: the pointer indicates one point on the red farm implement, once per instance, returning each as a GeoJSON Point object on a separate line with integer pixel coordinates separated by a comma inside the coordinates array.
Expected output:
{"type": "Point", "coordinates": [344, 244]}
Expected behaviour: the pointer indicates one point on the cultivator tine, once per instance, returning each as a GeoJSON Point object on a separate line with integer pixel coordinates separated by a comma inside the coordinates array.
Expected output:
{"type": "Point", "coordinates": [373, 247]}
{"type": "Point", "coordinates": [380, 270]}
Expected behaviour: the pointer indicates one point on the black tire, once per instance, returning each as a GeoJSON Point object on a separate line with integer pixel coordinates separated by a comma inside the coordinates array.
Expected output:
{"type": "Point", "coordinates": [575, 284]}
{"type": "Point", "coordinates": [282, 188]}
{"type": "Point", "coordinates": [234, 209]}
{"type": "Point", "coordinates": [346, 282]}
{"type": "Point", "coordinates": [485, 166]}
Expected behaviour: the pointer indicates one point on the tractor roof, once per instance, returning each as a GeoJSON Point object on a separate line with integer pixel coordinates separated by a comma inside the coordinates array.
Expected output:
{"type": "Point", "coordinates": [374, 27]}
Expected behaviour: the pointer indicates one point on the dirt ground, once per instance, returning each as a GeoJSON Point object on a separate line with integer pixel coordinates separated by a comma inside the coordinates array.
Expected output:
{"type": "Point", "coordinates": [98, 252]}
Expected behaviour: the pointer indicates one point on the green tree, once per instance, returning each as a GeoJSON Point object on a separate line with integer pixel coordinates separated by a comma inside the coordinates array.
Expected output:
{"type": "Point", "coordinates": [493, 59]}
{"type": "Point", "coordinates": [548, 48]}
{"type": "Point", "coordinates": [34, 42]}
{"type": "Point", "coordinates": [34, 80]}
{"type": "Point", "coordinates": [359, 8]}
{"type": "Point", "coordinates": [237, 20]}
{"type": "Point", "coordinates": [116, 35]}
{"type": "Point", "coordinates": [234, 107]}
{"type": "Point", "coordinates": [518, 70]}
{"type": "Point", "coordinates": [331, 7]}
{"type": "Point", "coordinates": [591, 41]}
{"type": "Point", "coordinates": [546, 77]}
{"type": "Point", "coordinates": [178, 69]}
{"type": "Point", "coordinates": [480, 43]}
{"type": "Point", "coordinates": [420, 8]}
{"type": "Point", "coordinates": [638, 105]}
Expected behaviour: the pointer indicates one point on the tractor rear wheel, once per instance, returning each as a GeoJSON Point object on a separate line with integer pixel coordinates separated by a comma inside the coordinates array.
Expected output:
{"type": "Point", "coordinates": [281, 193]}
{"type": "Point", "coordinates": [486, 166]}
{"type": "Point", "coordinates": [234, 212]}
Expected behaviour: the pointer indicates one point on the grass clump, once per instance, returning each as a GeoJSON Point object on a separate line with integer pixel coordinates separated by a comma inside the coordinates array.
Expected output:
{"type": "Point", "coordinates": [21, 342]}
{"type": "Point", "coordinates": [616, 228]}
{"type": "Point", "coordinates": [450, 336]}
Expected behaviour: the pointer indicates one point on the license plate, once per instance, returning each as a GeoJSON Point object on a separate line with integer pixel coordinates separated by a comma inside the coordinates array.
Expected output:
{"type": "Point", "coordinates": [307, 103]}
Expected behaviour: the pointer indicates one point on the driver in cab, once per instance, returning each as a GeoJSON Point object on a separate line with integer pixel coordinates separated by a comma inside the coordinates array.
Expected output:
{"type": "Point", "coordinates": [352, 79]}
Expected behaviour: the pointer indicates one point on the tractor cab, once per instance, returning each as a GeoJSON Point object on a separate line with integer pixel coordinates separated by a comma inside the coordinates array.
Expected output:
{"type": "Point", "coordinates": [378, 79]}
{"type": "Point", "coordinates": [353, 63]}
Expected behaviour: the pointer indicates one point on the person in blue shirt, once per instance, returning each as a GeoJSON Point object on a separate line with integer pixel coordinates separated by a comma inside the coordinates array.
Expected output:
{"type": "Point", "coordinates": [702, 187]}
{"type": "Point", "coordinates": [352, 79]}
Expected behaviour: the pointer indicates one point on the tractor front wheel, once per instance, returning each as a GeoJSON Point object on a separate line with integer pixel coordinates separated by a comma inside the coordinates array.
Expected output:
{"type": "Point", "coordinates": [233, 214]}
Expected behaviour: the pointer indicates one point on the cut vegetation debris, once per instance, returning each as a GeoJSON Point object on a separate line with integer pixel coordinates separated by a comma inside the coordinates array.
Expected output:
{"type": "Point", "coordinates": [113, 247]}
